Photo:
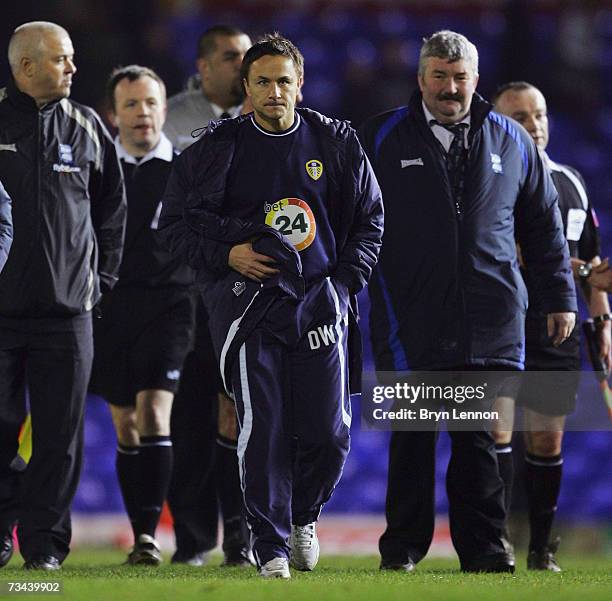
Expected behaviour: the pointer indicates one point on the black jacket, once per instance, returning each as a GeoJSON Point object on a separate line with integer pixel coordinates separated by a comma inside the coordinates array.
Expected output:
{"type": "Point", "coordinates": [146, 261]}
{"type": "Point", "coordinates": [6, 226]}
{"type": "Point", "coordinates": [447, 291]}
{"type": "Point", "coordinates": [60, 168]}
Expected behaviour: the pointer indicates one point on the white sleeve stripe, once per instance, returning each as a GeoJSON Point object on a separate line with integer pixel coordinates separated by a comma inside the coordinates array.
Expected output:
{"type": "Point", "coordinates": [78, 116]}
{"type": "Point", "coordinates": [155, 220]}
{"type": "Point", "coordinates": [577, 184]}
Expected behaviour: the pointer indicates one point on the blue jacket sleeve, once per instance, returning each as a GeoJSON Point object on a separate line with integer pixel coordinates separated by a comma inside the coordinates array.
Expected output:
{"type": "Point", "coordinates": [360, 251]}
{"type": "Point", "coordinates": [6, 226]}
{"type": "Point", "coordinates": [539, 230]}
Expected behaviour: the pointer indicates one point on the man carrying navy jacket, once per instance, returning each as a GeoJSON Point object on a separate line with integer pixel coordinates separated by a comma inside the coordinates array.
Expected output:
{"type": "Point", "coordinates": [281, 214]}
{"type": "Point", "coordinates": [458, 182]}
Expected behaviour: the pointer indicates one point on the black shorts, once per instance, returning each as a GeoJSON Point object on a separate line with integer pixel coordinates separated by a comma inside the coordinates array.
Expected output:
{"type": "Point", "coordinates": [549, 384]}
{"type": "Point", "coordinates": [140, 342]}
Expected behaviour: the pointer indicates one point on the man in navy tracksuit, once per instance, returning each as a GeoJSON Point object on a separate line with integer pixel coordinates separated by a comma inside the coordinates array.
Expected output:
{"type": "Point", "coordinates": [281, 214]}
{"type": "Point", "coordinates": [459, 181]}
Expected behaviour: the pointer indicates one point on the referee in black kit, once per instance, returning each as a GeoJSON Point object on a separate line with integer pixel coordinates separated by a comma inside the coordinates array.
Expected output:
{"type": "Point", "coordinates": [146, 323]}
{"type": "Point", "coordinates": [547, 398]}
{"type": "Point", "coordinates": [60, 168]}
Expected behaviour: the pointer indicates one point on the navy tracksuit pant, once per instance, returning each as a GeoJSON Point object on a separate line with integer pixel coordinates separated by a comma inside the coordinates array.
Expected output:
{"type": "Point", "coordinates": [290, 383]}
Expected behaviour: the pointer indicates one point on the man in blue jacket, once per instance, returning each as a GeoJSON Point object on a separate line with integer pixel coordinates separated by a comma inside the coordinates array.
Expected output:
{"type": "Point", "coordinates": [459, 181]}
{"type": "Point", "coordinates": [281, 214]}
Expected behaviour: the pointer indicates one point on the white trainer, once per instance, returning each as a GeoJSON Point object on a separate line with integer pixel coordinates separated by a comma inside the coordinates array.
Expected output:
{"type": "Point", "coordinates": [145, 552]}
{"type": "Point", "coordinates": [275, 568]}
{"type": "Point", "coordinates": [304, 547]}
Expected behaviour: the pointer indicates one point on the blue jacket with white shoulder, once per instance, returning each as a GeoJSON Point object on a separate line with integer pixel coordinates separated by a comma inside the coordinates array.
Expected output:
{"type": "Point", "coordinates": [447, 291]}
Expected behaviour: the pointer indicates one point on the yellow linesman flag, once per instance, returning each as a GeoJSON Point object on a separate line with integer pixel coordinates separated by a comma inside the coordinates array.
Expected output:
{"type": "Point", "coordinates": [25, 440]}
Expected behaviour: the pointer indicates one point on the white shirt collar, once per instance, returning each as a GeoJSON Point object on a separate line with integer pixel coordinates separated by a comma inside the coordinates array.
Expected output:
{"type": "Point", "coordinates": [444, 136]}
{"type": "Point", "coordinates": [233, 111]}
{"type": "Point", "coordinates": [163, 151]}
{"type": "Point", "coordinates": [429, 117]}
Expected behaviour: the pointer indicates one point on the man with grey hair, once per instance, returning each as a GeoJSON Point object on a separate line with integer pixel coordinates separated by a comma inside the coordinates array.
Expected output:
{"type": "Point", "coordinates": [459, 181]}
{"type": "Point", "coordinates": [59, 166]}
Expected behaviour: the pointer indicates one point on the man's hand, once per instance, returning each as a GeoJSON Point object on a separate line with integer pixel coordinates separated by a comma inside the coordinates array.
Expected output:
{"type": "Point", "coordinates": [601, 276]}
{"type": "Point", "coordinates": [249, 263]}
{"type": "Point", "coordinates": [560, 326]}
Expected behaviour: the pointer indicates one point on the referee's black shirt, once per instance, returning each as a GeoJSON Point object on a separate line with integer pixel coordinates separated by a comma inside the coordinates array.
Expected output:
{"type": "Point", "coordinates": [146, 262]}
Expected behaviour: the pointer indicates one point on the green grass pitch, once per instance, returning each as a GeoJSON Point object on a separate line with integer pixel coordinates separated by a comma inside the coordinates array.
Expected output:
{"type": "Point", "coordinates": [96, 575]}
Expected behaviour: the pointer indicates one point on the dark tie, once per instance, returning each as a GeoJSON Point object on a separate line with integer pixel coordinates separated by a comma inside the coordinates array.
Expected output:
{"type": "Point", "coordinates": [456, 159]}
{"type": "Point", "coordinates": [225, 115]}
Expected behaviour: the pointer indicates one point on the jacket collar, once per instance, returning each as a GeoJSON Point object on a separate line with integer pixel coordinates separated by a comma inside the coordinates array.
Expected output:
{"type": "Point", "coordinates": [25, 102]}
{"type": "Point", "coordinates": [479, 110]}
{"type": "Point", "coordinates": [162, 151]}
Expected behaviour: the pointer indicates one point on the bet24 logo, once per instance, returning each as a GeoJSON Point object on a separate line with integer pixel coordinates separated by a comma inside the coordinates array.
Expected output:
{"type": "Point", "coordinates": [294, 219]}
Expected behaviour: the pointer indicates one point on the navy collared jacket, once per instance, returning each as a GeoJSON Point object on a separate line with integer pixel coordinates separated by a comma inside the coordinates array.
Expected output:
{"type": "Point", "coordinates": [447, 291]}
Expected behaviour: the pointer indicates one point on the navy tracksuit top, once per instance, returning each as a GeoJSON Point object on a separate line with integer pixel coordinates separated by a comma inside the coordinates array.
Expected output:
{"type": "Point", "coordinates": [292, 199]}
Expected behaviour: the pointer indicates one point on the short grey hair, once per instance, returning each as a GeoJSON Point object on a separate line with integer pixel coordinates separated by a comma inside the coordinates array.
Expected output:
{"type": "Point", "coordinates": [449, 45]}
{"type": "Point", "coordinates": [27, 41]}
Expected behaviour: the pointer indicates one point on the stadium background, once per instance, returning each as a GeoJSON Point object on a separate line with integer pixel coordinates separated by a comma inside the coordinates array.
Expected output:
{"type": "Point", "coordinates": [361, 58]}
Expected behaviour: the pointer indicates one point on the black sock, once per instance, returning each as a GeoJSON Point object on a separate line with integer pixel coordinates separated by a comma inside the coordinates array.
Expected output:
{"type": "Point", "coordinates": [506, 472]}
{"type": "Point", "coordinates": [228, 488]}
{"type": "Point", "coordinates": [542, 484]}
{"type": "Point", "coordinates": [155, 473]}
{"type": "Point", "coordinates": [127, 464]}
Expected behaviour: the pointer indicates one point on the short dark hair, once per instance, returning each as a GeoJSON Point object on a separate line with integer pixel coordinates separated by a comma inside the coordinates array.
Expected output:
{"type": "Point", "coordinates": [514, 86]}
{"type": "Point", "coordinates": [272, 44]}
{"type": "Point", "coordinates": [207, 43]}
{"type": "Point", "coordinates": [131, 73]}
